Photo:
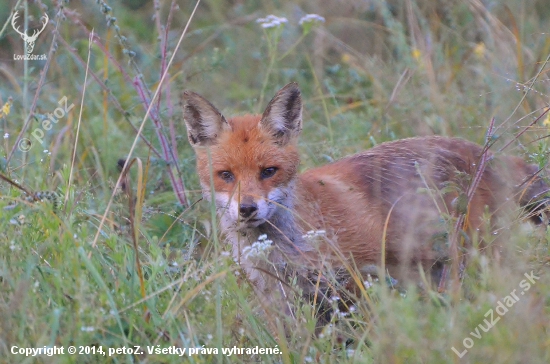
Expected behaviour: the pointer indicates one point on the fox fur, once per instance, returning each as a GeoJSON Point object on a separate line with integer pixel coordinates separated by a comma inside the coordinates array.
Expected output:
{"type": "Point", "coordinates": [398, 196]}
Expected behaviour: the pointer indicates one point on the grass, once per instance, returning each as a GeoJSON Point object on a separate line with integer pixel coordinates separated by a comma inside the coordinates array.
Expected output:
{"type": "Point", "coordinates": [119, 260]}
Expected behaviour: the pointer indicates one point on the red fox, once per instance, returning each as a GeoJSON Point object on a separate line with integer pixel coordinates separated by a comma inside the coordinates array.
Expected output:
{"type": "Point", "coordinates": [398, 196]}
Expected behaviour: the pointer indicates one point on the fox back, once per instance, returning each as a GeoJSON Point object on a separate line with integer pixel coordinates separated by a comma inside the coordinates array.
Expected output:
{"type": "Point", "coordinates": [395, 200]}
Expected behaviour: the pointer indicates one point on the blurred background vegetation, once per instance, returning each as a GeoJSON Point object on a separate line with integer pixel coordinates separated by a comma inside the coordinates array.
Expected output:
{"type": "Point", "coordinates": [372, 71]}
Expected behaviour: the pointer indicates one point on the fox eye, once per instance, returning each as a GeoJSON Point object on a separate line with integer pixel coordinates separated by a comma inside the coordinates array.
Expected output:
{"type": "Point", "coordinates": [226, 176]}
{"type": "Point", "coordinates": [268, 172]}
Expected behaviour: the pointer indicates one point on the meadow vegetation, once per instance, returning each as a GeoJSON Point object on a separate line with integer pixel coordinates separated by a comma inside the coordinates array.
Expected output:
{"type": "Point", "coordinates": [92, 257]}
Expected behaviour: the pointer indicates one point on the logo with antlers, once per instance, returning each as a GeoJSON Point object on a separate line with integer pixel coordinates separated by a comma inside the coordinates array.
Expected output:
{"type": "Point", "coordinates": [29, 39]}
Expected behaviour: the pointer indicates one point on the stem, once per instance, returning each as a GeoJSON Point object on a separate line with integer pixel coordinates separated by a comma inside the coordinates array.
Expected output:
{"type": "Point", "coordinates": [264, 84]}
{"type": "Point", "coordinates": [325, 107]}
{"type": "Point", "coordinates": [272, 50]}
{"type": "Point", "coordinates": [9, 18]}
{"type": "Point", "coordinates": [113, 98]}
{"type": "Point", "coordinates": [109, 204]}
{"type": "Point", "coordinates": [38, 90]}
{"type": "Point", "coordinates": [91, 37]}
{"type": "Point", "coordinates": [177, 183]}
{"type": "Point", "coordinates": [292, 47]}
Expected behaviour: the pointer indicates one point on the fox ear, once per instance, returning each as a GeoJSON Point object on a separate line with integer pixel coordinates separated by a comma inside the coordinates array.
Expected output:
{"type": "Point", "coordinates": [283, 115]}
{"type": "Point", "coordinates": [204, 122]}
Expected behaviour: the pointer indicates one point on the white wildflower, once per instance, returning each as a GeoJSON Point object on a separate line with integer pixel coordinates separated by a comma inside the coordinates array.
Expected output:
{"type": "Point", "coordinates": [87, 328]}
{"type": "Point", "coordinates": [6, 136]}
{"type": "Point", "coordinates": [342, 314]}
{"type": "Point", "coordinates": [311, 18]}
{"type": "Point", "coordinates": [312, 234]}
{"type": "Point", "coordinates": [259, 248]}
{"type": "Point", "coordinates": [271, 21]}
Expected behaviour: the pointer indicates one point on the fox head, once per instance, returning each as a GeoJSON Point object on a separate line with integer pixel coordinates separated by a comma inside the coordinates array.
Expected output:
{"type": "Point", "coordinates": [250, 161]}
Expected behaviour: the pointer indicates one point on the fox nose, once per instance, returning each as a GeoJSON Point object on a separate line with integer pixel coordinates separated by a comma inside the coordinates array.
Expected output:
{"type": "Point", "coordinates": [247, 209]}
